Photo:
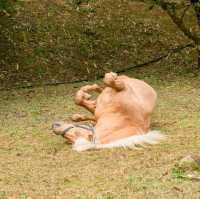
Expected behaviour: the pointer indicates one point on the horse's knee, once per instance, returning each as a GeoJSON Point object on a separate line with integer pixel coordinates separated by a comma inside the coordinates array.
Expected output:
{"type": "Point", "coordinates": [76, 117]}
{"type": "Point", "coordinates": [81, 96]}
{"type": "Point", "coordinates": [78, 99]}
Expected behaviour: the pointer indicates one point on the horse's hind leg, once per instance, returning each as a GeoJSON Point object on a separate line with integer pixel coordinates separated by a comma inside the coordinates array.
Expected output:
{"type": "Point", "coordinates": [112, 80]}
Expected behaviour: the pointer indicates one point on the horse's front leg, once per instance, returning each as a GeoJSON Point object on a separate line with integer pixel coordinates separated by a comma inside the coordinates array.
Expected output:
{"type": "Point", "coordinates": [80, 117]}
{"type": "Point", "coordinates": [90, 88]}
{"type": "Point", "coordinates": [82, 97]}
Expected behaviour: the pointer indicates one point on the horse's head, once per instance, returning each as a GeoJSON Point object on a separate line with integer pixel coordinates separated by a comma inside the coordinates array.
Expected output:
{"type": "Point", "coordinates": [73, 131]}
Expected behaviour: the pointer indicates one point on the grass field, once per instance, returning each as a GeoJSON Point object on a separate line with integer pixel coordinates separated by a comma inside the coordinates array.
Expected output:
{"type": "Point", "coordinates": [34, 163]}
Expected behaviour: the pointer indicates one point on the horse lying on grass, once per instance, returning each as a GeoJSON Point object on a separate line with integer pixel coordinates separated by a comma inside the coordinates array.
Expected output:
{"type": "Point", "coordinates": [121, 115]}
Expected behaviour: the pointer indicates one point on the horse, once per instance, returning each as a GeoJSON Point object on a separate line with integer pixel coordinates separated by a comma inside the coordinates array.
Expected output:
{"type": "Point", "coordinates": [120, 115]}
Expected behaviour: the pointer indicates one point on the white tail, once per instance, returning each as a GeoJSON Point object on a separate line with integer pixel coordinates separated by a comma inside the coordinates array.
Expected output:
{"type": "Point", "coordinates": [152, 137]}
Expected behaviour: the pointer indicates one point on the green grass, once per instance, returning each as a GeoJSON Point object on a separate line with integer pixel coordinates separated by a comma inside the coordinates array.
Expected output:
{"type": "Point", "coordinates": [35, 163]}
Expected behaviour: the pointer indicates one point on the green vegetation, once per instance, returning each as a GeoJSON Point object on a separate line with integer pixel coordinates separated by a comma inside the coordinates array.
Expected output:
{"type": "Point", "coordinates": [6, 6]}
{"type": "Point", "coordinates": [71, 40]}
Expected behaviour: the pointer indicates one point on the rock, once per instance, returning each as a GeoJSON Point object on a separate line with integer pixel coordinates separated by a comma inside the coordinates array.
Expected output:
{"type": "Point", "coordinates": [190, 162]}
{"type": "Point", "coordinates": [196, 158]}
{"type": "Point", "coordinates": [190, 165]}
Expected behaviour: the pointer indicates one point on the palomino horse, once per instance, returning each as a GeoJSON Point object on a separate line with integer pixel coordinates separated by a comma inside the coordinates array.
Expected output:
{"type": "Point", "coordinates": [121, 115]}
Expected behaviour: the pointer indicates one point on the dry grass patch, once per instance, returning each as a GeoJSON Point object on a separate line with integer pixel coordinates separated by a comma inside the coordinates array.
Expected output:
{"type": "Point", "coordinates": [37, 164]}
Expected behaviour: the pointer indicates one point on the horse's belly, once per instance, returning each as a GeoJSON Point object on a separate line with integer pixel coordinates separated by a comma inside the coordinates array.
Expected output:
{"type": "Point", "coordinates": [105, 101]}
